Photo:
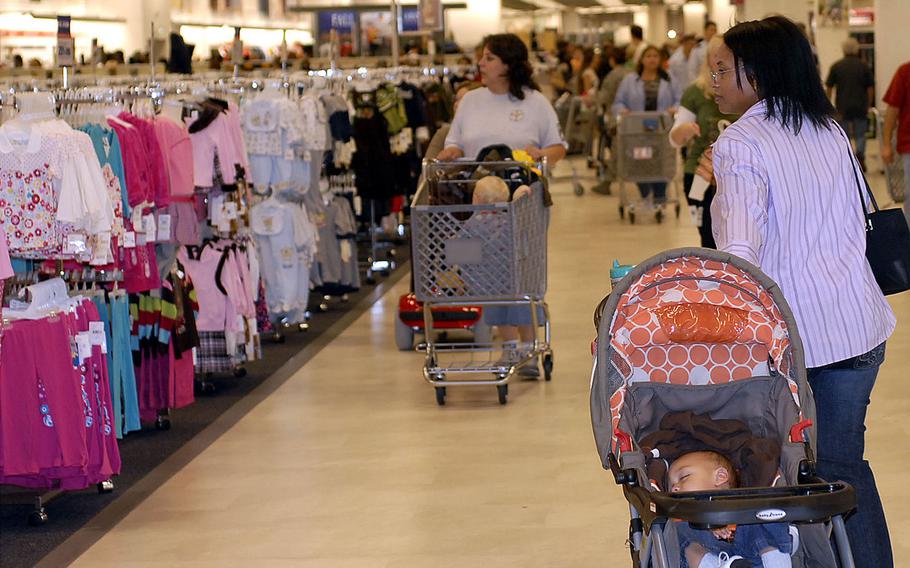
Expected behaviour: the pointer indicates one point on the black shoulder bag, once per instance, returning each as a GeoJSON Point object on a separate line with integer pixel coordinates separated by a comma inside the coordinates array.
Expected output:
{"type": "Point", "coordinates": [887, 240]}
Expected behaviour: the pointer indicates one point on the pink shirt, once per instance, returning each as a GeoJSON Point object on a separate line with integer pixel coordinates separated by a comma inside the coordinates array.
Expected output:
{"type": "Point", "coordinates": [216, 137]}
{"type": "Point", "coordinates": [217, 310]}
{"type": "Point", "coordinates": [178, 155]}
{"type": "Point", "coordinates": [790, 204]}
{"type": "Point", "coordinates": [6, 268]}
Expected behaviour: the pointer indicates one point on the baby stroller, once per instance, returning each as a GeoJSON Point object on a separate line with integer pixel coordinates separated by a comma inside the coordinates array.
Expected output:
{"type": "Point", "coordinates": [700, 330]}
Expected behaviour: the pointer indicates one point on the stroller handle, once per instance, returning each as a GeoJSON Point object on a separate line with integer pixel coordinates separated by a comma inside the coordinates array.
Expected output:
{"type": "Point", "coordinates": [812, 502]}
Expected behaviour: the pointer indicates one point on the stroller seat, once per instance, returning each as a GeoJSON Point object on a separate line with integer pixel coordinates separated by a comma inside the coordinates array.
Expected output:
{"type": "Point", "coordinates": [703, 331]}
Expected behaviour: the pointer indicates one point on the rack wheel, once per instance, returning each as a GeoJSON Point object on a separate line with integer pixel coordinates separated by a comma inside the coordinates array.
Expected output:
{"type": "Point", "coordinates": [631, 218]}
{"type": "Point", "coordinates": [548, 366]}
{"type": "Point", "coordinates": [622, 212]}
{"type": "Point", "coordinates": [163, 423]}
{"type": "Point", "coordinates": [659, 216]}
{"type": "Point", "coordinates": [441, 396]}
{"type": "Point", "coordinates": [579, 189]}
{"type": "Point", "coordinates": [37, 518]}
{"type": "Point", "coordinates": [503, 392]}
{"type": "Point", "coordinates": [240, 372]}
{"type": "Point", "coordinates": [106, 486]}
{"type": "Point", "coordinates": [207, 387]}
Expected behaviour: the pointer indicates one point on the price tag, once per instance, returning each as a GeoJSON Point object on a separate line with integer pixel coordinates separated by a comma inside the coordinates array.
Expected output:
{"type": "Point", "coordinates": [230, 210]}
{"type": "Point", "coordinates": [84, 345]}
{"type": "Point", "coordinates": [99, 337]}
{"type": "Point", "coordinates": [129, 239]}
{"type": "Point", "coordinates": [164, 227]}
{"type": "Point", "coordinates": [102, 252]}
{"type": "Point", "coordinates": [149, 228]}
{"type": "Point", "coordinates": [75, 244]}
{"type": "Point", "coordinates": [643, 153]}
{"type": "Point", "coordinates": [195, 358]}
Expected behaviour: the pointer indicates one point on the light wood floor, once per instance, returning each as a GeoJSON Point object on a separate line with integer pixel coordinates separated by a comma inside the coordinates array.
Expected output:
{"type": "Point", "coordinates": [351, 464]}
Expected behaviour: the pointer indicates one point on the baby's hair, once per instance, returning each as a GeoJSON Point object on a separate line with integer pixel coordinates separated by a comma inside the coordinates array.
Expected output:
{"type": "Point", "coordinates": [489, 190]}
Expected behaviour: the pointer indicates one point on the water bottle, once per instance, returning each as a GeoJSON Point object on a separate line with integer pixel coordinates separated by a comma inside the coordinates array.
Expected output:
{"type": "Point", "coordinates": [618, 272]}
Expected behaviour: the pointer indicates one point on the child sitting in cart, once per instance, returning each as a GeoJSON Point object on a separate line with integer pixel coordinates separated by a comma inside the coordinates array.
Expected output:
{"type": "Point", "coordinates": [767, 545]}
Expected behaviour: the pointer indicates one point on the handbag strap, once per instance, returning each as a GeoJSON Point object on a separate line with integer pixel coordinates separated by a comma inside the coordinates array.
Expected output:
{"type": "Point", "coordinates": [857, 175]}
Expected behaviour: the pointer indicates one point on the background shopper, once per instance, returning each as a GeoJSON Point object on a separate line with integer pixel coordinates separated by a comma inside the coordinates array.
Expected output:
{"type": "Point", "coordinates": [853, 85]}
{"type": "Point", "coordinates": [898, 114]}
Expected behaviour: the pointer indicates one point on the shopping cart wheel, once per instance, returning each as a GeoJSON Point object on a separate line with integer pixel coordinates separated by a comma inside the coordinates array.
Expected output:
{"type": "Point", "coordinates": [659, 216]}
{"type": "Point", "coordinates": [240, 372]}
{"type": "Point", "coordinates": [579, 189]}
{"type": "Point", "coordinates": [678, 209]}
{"type": "Point", "coordinates": [622, 212]}
{"type": "Point", "coordinates": [548, 366]}
{"type": "Point", "coordinates": [631, 218]}
{"type": "Point", "coordinates": [503, 392]}
{"type": "Point", "coordinates": [441, 396]}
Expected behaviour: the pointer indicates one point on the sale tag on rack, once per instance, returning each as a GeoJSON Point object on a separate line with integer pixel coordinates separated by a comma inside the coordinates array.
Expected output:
{"type": "Point", "coordinates": [75, 244]}
{"type": "Point", "coordinates": [230, 210]}
{"type": "Point", "coordinates": [129, 239]}
{"type": "Point", "coordinates": [84, 345]}
{"type": "Point", "coordinates": [99, 337]}
{"type": "Point", "coordinates": [164, 227]}
{"type": "Point", "coordinates": [149, 228]}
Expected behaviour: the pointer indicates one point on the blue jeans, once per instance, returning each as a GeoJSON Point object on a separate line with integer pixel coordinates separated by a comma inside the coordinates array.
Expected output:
{"type": "Point", "coordinates": [841, 398]}
{"type": "Point", "coordinates": [659, 188]}
{"type": "Point", "coordinates": [748, 541]}
{"type": "Point", "coordinates": [856, 129]}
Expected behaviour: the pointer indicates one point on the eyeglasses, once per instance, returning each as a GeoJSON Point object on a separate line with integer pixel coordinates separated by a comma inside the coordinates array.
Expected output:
{"type": "Point", "coordinates": [715, 75]}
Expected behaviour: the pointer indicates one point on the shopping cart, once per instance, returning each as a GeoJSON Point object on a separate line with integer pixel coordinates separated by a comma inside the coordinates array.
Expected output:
{"type": "Point", "coordinates": [642, 153]}
{"type": "Point", "coordinates": [894, 172]}
{"type": "Point", "coordinates": [492, 255]}
{"type": "Point", "coordinates": [578, 123]}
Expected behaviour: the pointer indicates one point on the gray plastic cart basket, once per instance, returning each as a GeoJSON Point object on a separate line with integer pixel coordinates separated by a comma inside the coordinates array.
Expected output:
{"type": "Point", "coordinates": [492, 255]}
{"type": "Point", "coordinates": [642, 153]}
{"type": "Point", "coordinates": [578, 123]}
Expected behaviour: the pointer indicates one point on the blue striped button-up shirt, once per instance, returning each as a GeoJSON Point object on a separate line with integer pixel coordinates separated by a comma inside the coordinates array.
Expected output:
{"type": "Point", "coordinates": [790, 204]}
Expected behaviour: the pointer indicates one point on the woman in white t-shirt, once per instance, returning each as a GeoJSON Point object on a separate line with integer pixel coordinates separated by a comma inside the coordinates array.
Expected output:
{"type": "Point", "coordinates": [508, 110]}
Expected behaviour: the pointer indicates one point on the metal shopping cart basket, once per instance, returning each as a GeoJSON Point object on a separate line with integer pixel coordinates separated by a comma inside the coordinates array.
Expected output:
{"type": "Point", "coordinates": [642, 153]}
{"type": "Point", "coordinates": [492, 255]}
{"type": "Point", "coordinates": [894, 172]}
{"type": "Point", "coordinates": [578, 123]}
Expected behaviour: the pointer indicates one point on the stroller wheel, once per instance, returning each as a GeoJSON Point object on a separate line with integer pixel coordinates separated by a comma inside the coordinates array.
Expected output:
{"type": "Point", "coordinates": [503, 392]}
{"type": "Point", "coordinates": [579, 189]}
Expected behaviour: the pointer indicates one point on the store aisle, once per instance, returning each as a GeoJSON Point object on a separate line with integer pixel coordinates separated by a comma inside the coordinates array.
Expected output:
{"type": "Point", "coordinates": [352, 464]}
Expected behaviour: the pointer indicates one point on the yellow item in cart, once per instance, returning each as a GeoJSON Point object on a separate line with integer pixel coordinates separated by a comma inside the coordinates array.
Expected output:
{"type": "Point", "coordinates": [522, 156]}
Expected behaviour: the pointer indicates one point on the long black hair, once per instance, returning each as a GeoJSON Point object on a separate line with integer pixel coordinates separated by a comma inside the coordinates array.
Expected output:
{"type": "Point", "coordinates": [661, 74]}
{"type": "Point", "coordinates": [513, 53]}
{"type": "Point", "coordinates": [778, 61]}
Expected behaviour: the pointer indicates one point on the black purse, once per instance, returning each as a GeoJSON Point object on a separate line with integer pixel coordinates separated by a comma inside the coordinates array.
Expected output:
{"type": "Point", "coordinates": [887, 241]}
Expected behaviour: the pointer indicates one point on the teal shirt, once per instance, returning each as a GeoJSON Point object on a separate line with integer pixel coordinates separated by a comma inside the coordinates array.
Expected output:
{"type": "Point", "coordinates": [107, 147]}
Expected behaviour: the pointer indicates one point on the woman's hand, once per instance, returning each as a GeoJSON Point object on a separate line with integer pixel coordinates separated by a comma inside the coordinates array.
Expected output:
{"type": "Point", "coordinates": [535, 153]}
{"type": "Point", "coordinates": [688, 131]}
{"type": "Point", "coordinates": [887, 153]}
{"type": "Point", "coordinates": [705, 167]}
{"type": "Point", "coordinates": [449, 154]}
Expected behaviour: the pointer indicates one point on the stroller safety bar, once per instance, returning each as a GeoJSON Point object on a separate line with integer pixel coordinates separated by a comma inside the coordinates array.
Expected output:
{"type": "Point", "coordinates": [792, 504]}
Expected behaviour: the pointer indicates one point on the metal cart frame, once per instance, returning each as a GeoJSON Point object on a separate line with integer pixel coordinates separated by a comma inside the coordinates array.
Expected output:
{"type": "Point", "coordinates": [491, 255]}
{"type": "Point", "coordinates": [642, 153]}
{"type": "Point", "coordinates": [578, 125]}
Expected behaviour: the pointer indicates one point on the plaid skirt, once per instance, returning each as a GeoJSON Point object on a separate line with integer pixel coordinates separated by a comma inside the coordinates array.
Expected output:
{"type": "Point", "coordinates": [212, 355]}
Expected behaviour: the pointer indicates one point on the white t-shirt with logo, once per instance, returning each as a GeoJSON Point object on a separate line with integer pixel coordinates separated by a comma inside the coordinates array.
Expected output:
{"type": "Point", "coordinates": [484, 119]}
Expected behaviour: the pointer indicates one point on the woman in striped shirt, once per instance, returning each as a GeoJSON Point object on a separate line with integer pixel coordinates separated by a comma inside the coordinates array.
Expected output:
{"type": "Point", "coordinates": [788, 201]}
